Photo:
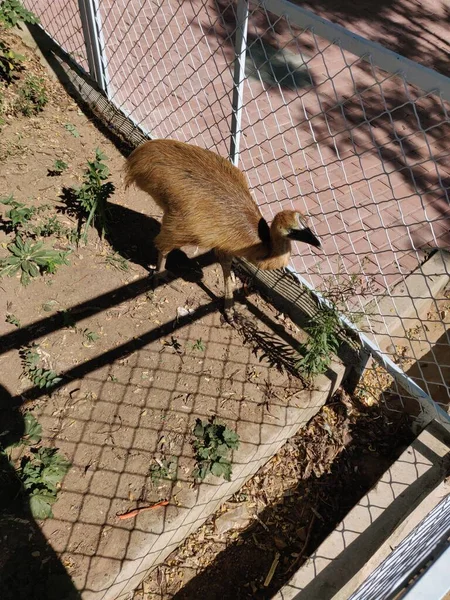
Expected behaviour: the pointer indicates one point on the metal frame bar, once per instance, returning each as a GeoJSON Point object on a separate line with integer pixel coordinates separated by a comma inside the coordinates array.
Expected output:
{"type": "Point", "coordinates": [435, 578]}
{"type": "Point", "coordinates": [427, 541]}
{"type": "Point", "coordinates": [423, 77]}
{"type": "Point", "coordinates": [95, 47]}
{"type": "Point", "coordinates": [240, 51]}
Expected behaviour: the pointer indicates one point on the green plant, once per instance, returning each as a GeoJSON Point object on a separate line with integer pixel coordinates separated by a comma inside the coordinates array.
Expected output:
{"type": "Point", "coordinates": [49, 226]}
{"type": "Point", "coordinates": [12, 11]}
{"type": "Point", "coordinates": [212, 444]}
{"type": "Point", "coordinates": [41, 473]}
{"type": "Point", "coordinates": [58, 167]}
{"type": "Point", "coordinates": [19, 214]}
{"type": "Point", "coordinates": [32, 96]}
{"type": "Point", "coordinates": [72, 129]}
{"type": "Point", "coordinates": [117, 261]}
{"type": "Point", "coordinates": [90, 336]}
{"type": "Point", "coordinates": [199, 345]}
{"type": "Point", "coordinates": [32, 433]}
{"type": "Point", "coordinates": [72, 235]}
{"type": "Point", "coordinates": [10, 62]}
{"type": "Point", "coordinates": [322, 343]}
{"type": "Point", "coordinates": [68, 319]}
{"type": "Point", "coordinates": [93, 195]}
{"type": "Point", "coordinates": [30, 260]}
{"type": "Point", "coordinates": [43, 378]}
{"type": "Point", "coordinates": [163, 469]}
{"type": "Point", "coordinates": [12, 320]}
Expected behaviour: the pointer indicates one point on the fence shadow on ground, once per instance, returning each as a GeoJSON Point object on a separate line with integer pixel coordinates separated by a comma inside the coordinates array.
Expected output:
{"type": "Point", "coordinates": [294, 527]}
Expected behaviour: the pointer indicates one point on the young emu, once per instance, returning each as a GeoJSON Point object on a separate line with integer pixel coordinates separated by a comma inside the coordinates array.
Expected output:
{"type": "Point", "coordinates": [207, 203]}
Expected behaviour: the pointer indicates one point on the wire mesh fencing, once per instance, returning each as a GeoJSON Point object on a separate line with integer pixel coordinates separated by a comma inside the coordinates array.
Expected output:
{"type": "Point", "coordinates": [364, 153]}
{"type": "Point", "coordinates": [337, 133]}
{"type": "Point", "coordinates": [330, 129]}
{"type": "Point", "coordinates": [401, 569]}
{"type": "Point", "coordinates": [62, 21]}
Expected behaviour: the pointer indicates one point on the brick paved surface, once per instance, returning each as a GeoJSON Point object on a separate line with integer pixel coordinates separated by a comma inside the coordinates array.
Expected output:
{"type": "Point", "coordinates": [364, 154]}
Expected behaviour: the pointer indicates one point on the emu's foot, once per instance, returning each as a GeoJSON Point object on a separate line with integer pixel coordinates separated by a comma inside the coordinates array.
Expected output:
{"type": "Point", "coordinates": [229, 312]}
{"type": "Point", "coordinates": [159, 277]}
{"type": "Point", "coordinates": [229, 315]}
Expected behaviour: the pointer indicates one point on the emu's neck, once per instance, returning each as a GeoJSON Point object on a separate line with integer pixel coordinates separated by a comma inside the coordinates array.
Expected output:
{"type": "Point", "coordinates": [275, 256]}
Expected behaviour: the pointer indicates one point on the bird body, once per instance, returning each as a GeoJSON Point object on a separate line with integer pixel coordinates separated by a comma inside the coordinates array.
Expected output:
{"type": "Point", "coordinates": [207, 203]}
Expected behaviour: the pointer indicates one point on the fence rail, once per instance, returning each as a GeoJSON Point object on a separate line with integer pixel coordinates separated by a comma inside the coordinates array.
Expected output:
{"type": "Point", "coordinates": [319, 119]}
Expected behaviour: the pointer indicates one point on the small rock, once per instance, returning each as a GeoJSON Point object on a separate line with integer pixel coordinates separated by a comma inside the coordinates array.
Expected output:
{"type": "Point", "coordinates": [233, 519]}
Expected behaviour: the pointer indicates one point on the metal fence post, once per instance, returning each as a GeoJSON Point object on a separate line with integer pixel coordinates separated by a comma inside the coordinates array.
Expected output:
{"type": "Point", "coordinates": [90, 20]}
{"type": "Point", "coordinates": [240, 49]}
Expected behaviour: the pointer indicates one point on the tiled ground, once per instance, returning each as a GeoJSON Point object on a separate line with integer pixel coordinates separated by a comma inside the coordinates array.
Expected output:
{"type": "Point", "coordinates": [363, 153]}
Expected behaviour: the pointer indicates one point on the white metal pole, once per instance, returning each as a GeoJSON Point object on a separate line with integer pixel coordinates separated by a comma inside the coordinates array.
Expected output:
{"type": "Point", "coordinates": [89, 14]}
{"type": "Point", "coordinates": [240, 49]}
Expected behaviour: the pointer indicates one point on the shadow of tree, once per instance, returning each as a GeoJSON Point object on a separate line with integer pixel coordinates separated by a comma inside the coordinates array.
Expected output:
{"type": "Point", "coordinates": [364, 151]}
{"type": "Point", "coordinates": [296, 524]}
{"type": "Point", "coordinates": [414, 30]}
{"type": "Point", "coordinates": [29, 567]}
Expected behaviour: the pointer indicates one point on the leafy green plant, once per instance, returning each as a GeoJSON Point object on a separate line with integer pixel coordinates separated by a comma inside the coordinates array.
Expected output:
{"type": "Point", "coordinates": [93, 195]}
{"type": "Point", "coordinates": [43, 378]}
{"type": "Point", "coordinates": [90, 336]}
{"type": "Point", "coordinates": [19, 214]}
{"type": "Point", "coordinates": [68, 319]}
{"type": "Point", "coordinates": [41, 473]}
{"type": "Point", "coordinates": [32, 433]}
{"type": "Point", "coordinates": [30, 260]}
{"type": "Point", "coordinates": [72, 129]}
{"type": "Point", "coordinates": [31, 96]}
{"type": "Point", "coordinates": [72, 235]}
{"type": "Point", "coordinates": [12, 11]}
{"type": "Point", "coordinates": [199, 345]}
{"type": "Point", "coordinates": [212, 445]}
{"type": "Point", "coordinates": [10, 62]}
{"type": "Point", "coordinates": [12, 320]}
{"type": "Point", "coordinates": [322, 344]}
{"type": "Point", "coordinates": [49, 226]}
{"type": "Point", "coordinates": [163, 469]}
{"type": "Point", "coordinates": [58, 167]}
{"type": "Point", "coordinates": [117, 261]}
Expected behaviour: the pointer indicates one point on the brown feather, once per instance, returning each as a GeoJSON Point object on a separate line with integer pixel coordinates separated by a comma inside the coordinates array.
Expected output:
{"type": "Point", "coordinates": [207, 203]}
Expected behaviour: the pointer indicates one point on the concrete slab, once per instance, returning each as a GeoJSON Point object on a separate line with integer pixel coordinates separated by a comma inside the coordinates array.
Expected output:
{"type": "Point", "coordinates": [390, 317]}
{"type": "Point", "coordinates": [154, 536]}
{"type": "Point", "coordinates": [408, 490]}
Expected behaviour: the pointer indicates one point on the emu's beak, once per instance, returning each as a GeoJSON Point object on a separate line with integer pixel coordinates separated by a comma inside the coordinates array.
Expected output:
{"type": "Point", "coordinates": [304, 235]}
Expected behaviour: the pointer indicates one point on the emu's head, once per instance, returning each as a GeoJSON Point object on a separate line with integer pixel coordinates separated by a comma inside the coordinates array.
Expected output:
{"type": "Point", "coordinates": [292, 224]}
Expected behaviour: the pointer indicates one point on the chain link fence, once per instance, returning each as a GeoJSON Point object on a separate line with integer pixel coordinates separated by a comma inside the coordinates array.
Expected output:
{"type": "Point", "coordinates": [320, 120]}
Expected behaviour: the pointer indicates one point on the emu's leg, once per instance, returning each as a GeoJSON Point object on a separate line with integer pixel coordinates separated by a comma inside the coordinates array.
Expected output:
{"type": "Point", "coordinates": [225, 262]}
{"type": "Point", "coordinates": [159, 273]}
{"type": "Point", "coordinates": [163, 248]}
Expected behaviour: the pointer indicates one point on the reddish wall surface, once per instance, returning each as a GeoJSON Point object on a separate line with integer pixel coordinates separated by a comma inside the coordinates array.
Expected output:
{"type": "Point", "coordinates": [363, 153]}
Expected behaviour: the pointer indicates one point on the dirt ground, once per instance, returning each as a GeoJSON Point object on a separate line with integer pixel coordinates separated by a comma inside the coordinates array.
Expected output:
{"type": "Point", "coordinates": [138, 365]}
{"type": "Point", "coordinates": [158, 360]}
